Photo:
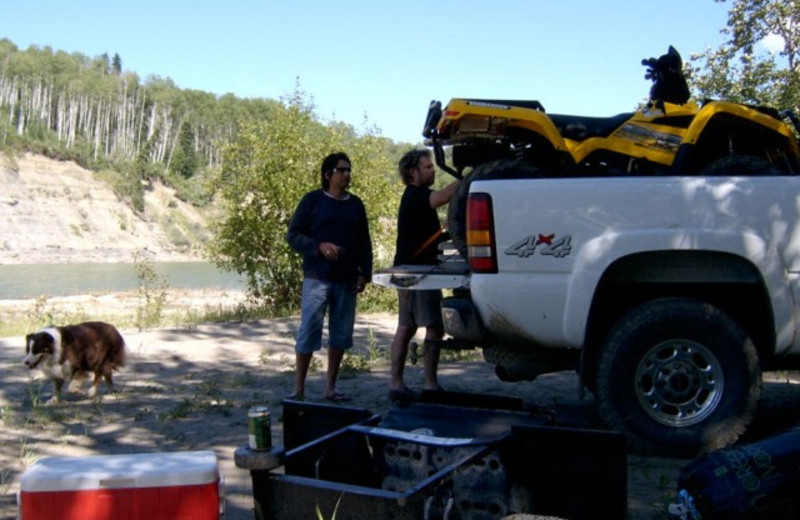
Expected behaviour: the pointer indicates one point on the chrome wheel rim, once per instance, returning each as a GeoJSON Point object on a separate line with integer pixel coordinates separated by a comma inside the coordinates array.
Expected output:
{"type": "Point", "coordinates": [679, 382]}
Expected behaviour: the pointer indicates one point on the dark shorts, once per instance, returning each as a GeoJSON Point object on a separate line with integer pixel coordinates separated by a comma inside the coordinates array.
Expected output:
{"type": "Point", "coordinates": [420, 308]}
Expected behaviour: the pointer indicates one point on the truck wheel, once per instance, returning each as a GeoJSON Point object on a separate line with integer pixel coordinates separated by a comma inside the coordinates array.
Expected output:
{"type": "Point", "coordinates": [457, 210]}
{"type": "Point", "coordinates": [678, 377]}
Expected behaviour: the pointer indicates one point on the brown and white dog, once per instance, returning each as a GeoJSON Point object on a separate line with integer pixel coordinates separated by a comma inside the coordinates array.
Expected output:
{"type": "Point", "coordinates": [74, 350]}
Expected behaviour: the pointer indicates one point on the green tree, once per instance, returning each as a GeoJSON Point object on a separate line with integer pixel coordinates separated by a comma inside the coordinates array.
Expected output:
{"type": "Point", "coordinates": [116, 65]}
{"type": "Point", "coordinates": [267, 168]}
{"type": "Point", "coordinates": [743, 70]}
{"type": "Point", "coordinates": [184, 159]}
{"type": "Point", "coordinates": [73, 106]}
{"type": "Point", "coordinates": [103, 63]}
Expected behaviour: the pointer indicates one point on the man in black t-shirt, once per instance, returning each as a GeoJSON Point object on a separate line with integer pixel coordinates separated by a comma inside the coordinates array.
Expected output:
{"type": "Point", "coordinates": [418, 237]}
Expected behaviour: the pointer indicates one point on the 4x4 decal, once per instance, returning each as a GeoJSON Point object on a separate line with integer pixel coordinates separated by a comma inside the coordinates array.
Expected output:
{"type": "Point", "coordinates": [546, 244]}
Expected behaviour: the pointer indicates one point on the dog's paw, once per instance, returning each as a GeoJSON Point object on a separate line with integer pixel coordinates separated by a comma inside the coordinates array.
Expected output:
{"type": "Point", "coordinates": [53, 401]}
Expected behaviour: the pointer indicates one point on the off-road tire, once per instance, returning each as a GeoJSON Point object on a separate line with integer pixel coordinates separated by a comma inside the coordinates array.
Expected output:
{"type": "Point", "coordinates": [678, 377]}
{"type": "Point", "coordinates": [521, 363]}
{"type": "Point", "coordinates": [737, 164]}
{"type": "Point", "coordinates": [499, 354]}
{"type": "Point", "coordinates": [457, 210]}
{"type": "Point", "coordinates": [526, 516]}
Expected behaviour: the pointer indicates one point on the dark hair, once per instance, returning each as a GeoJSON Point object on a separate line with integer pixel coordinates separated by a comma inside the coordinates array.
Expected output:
{"type": "Point", "coordinates": [328, 164]}
{"type": "Point", "coordinates": [409, 161]}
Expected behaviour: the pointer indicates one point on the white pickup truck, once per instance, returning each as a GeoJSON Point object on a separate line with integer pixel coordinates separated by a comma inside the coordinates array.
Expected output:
{"type": "Point", "coordinates": [668, 297]}
{"type": "Point", "coordinates": [666, 272]}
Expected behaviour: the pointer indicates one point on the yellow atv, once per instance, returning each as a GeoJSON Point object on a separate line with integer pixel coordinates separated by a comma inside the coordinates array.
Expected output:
{"type": "Point", "coordinates": [669, 136]}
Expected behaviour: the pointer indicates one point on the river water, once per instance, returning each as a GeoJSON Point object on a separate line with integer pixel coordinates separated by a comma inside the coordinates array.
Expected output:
{"type": "Point", "coordinates": [33, 280]}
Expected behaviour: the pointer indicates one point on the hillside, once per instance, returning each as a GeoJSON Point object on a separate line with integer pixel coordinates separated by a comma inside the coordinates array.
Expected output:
{"type": "Point", "coordinates": [57, 212]}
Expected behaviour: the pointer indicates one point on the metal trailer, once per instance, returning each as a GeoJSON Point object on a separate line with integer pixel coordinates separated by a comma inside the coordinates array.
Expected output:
{"type": "Point", "coordinates": [449, 456]}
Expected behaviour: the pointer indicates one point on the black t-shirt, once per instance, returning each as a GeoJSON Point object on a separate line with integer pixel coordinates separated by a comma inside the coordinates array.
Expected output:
{"type": "Point", "coordinates": [417, 222]}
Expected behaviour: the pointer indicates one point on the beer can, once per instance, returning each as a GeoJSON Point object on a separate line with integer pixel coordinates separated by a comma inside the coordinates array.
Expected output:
{"type": "Point", "coordinates": [258, 427]}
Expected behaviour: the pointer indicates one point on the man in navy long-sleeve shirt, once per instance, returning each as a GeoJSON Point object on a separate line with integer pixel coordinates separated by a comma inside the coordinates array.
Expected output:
{"type": "Point", "coordinates": [330, 229]}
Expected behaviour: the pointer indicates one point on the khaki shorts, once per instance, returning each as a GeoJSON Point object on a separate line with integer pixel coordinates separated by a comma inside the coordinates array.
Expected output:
{"type": "Point", "coordinates": [420, 308]}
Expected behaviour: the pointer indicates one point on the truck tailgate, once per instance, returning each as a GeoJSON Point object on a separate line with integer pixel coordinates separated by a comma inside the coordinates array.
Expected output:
{"type": "Point", "coordinates": [452, 272]}
{"type": "Point", "coordinates": [446, 275]}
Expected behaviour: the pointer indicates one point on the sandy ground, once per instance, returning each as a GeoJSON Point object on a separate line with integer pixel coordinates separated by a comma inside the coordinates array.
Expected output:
{"type": "Point", "coordinates": [190, 389]}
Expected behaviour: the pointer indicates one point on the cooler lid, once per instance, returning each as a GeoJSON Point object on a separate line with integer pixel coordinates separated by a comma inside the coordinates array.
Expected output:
{"type": "Point", "coordinates": [137, 470]}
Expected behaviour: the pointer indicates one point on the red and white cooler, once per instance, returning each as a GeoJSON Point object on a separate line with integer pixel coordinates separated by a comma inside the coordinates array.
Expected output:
{"type": "Point", "coordinates": [145, 486]}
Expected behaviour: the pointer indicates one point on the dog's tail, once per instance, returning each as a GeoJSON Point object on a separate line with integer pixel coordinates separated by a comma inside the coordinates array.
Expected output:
{"type": "Point", "coordinates": [119, 354]}
{"type": "Point", "coordinates": [122, 357]}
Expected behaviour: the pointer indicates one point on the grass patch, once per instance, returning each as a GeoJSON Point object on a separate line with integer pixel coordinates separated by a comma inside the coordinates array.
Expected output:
{"type": "Point", "coordinates": [455, 356]}
{"type": "Point", "coordinates": [152, 293]}
{"type": "Point", "coordinates": [5, 481]}
{"type": "Point", "coordinates": [27, 454]}
{"type": "Point", "coordinates": [7, 415]}
{"type": "Point", "coordinates": [356, 362]}
{"type": "Point", "coordinates": [209, 398]}
{"type": "Point", "coordinates": [151, 311]}
{"type": "Point", "coordinates": [353, 364]}
{"type": "Point", "coordinates": [376, 299]}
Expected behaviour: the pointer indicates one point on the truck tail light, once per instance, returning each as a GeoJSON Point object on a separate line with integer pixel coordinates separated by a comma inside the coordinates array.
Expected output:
{"type": "Point", "coordinates": [480, 234]}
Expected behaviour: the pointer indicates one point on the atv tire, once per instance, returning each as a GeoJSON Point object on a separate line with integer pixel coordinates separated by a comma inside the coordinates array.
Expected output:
{"type": "Point", "coordinates": [678, 377]}
{"type": "Point", "coordinates": [740, 165]}
{"type": "Point", "coordinates": [457, 210]}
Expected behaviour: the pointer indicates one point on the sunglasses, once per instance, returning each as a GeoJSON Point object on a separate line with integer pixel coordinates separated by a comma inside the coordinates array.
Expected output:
{"type": "Point", "coordinates": [343, 170]}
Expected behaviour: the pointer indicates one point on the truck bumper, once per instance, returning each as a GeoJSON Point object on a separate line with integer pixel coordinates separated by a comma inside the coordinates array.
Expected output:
{"type": "Point", "coordinates": [461, 320]}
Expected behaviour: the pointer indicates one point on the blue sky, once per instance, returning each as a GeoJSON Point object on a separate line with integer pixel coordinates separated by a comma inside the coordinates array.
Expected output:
{"type": "Point", "coordinates": [383, 61]}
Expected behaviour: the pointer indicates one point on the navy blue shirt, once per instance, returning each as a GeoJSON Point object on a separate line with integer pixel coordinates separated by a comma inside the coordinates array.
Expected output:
{"type": "Point", "coordinates": [322, 218]}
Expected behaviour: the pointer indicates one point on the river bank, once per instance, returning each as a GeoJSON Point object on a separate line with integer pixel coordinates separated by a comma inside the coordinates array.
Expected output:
{"type": "Point", "coordinates": [32, 280]}
{"type": "Point", "coordinates": [182, 308]}
{"type": "Point", "coordinates": [56, 212]}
